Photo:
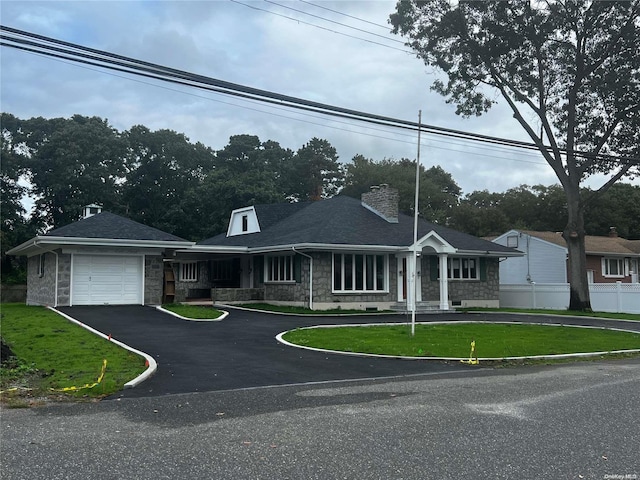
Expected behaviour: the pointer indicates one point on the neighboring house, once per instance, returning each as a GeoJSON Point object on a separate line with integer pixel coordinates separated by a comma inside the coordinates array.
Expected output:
{"type": "Point", "coordinates": [609, 259]}
{"type": "Point", "coordinates": [338, 252]}
{"type": "Point", "coordinates": [101, 259]}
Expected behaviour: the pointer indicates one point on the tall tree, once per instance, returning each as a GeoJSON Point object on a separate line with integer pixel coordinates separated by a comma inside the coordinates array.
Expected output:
{"type": "Point", "coordinates": [163, 167]}
{"type": "Point", "coordinates": [438, 191]}
{"type": "Point", "coordinates": [76, 162]}
{"type": "Point", "coordinates": [573, 66]}
{"type": "Point", "coordinates": [316, 172]}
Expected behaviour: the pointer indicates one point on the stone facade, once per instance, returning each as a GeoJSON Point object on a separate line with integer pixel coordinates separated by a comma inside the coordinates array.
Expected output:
{"type": "Point", "coordinates": [64, 279]}
{"type": "Point", "coordinates": [463, 292]}
{"type": "Point", "coordinates": [41, 289]}
{"type": "Point", "coordinates": [153, 279]}
{"type": "Point", "coordinates": [184, 289]}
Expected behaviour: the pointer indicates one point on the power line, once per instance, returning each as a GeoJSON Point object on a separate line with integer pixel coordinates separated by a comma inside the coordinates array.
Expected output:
{"type": "Point", "coordinates": [77, 53]}
{"type": "Point", "coordinates": [333, 21]}
{"type": "Point", "coordinates": [253, 7]}
{"type": "Point", "coordinates": [386, 27]}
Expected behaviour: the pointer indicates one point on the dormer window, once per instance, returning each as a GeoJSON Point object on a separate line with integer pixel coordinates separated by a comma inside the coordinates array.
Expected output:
{"type": "Point", "coordinates": [243, 221]}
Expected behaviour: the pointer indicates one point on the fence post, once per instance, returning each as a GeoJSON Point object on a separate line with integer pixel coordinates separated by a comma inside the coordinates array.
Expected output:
{"type": "Point", "coordinates": [533, 295]}
{"type": "Point", "coordinates": [619, 297]}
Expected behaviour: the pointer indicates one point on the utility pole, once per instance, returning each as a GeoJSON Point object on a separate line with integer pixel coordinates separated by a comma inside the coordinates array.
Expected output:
{"type": "Point", "coordinates": [414, 298]}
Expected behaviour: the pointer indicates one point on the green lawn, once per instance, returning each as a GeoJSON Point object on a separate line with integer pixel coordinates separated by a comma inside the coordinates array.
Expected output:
{"type": "Point", "coordinates": [615, 316]}
{"type": "Point", "coordinates": [304, 310]}
{"type": "Point", "coordinates": [197, 312]}
{"type": "Point", "coordinates": [454, 340]}
{"type": "Point", "coordinates": [53, 353]}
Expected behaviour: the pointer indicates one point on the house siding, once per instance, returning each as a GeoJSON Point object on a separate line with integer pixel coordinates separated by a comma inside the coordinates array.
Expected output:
{"type": "Point", "coordinates": [543, 262]}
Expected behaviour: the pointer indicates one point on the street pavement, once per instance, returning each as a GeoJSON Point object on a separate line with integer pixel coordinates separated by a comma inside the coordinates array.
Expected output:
{"type": "Point", "coordinates": [230, 402]}
{"type": "Point", "coordinates": [548, 422]}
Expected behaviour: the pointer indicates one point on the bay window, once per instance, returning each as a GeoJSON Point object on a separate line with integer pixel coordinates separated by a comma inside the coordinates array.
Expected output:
{"type": "Point", "coordinates": [359, 272]}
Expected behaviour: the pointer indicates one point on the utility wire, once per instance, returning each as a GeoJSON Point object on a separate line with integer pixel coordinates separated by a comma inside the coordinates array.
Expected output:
{"type": "Point", "coordinates": [386, 27]}
{"type": "Point", "coordinates": [40, 44]}
{"type": "Point", "coordinates": [337, 23]}
{"type": "Point", "coordinates": [253, 7]}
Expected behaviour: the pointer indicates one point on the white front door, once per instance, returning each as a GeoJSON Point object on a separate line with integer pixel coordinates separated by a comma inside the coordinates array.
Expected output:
{"type": "Point", "coordinates": [107, 280]}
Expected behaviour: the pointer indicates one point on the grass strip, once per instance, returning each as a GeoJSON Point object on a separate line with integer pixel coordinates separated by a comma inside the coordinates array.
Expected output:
{"type": "Point", "coordinates": [453, 340]}
{"type": "Point", "coordinates": [197, 312]}
{"type": "Point", "coordinates": [573, 313]}
{"type": "Point", "coordinates": [54, 353]}
{"type": "Point", "coordinates": [306, 311]}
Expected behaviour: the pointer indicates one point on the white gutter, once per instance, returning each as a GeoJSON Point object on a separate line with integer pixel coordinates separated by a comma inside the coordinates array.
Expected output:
{"type": "Point", "coordinates": [310, 276]}
{"type": "Point", "coordinates": [40, 241]}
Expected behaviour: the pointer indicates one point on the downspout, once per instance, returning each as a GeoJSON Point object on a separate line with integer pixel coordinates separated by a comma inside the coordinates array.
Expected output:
{"type": "Point", "coordinates": [55, 298]}
{"type": "Point", "coordinates": [310, 276]}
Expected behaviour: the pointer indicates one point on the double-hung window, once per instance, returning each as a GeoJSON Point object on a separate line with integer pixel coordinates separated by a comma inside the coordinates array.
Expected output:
{"type": "Point", "coordinates": [279, 269]}
{"type": "Point", "coordinates": [463, 268]}
{"type": "Point", "coordinates": [355, 272]}
{"type": "Point", "coordinates": [189, 271]}
{"type": "Point", "coordinates": [613, 267]}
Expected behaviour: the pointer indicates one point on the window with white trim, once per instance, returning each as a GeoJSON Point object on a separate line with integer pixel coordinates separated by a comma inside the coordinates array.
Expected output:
{"type": "Point", "coordinates": [355, 272]}
{"type": "Point", "coordinates": [613, 267]}
{"type": "Point", "coordinates": [279, 268]}
{"type": "Point", "coordinates": [189, 271]}
{"type": "Point", "coordinates": [41, 265]}
{"type": "Point", "coordinates": [512, 241]}
{"type": "Point", "coordinates": [462, 268]}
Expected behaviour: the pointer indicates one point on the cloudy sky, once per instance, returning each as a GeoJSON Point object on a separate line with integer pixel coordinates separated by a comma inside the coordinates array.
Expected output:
{"type": "Point", "coordinates": [290, 47]}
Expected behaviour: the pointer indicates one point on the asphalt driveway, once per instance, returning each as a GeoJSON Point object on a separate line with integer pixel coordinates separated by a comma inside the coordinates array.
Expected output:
{"type": "Point", "coordinates": [241, 351]}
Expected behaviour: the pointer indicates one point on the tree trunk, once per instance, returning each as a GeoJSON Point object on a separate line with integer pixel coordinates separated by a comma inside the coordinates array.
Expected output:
{"type": "Point", "coordinates": [577, 265]}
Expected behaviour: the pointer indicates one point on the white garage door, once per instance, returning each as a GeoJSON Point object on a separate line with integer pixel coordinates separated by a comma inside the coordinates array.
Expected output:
{"type": "Point", "coordinates": [107, 279]}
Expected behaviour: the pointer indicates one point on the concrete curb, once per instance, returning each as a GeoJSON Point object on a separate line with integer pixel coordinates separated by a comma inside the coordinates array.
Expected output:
{"type": "Point", "coordinates": [553, 315]}
{"type": "Point", "coordinates": [151, 369]}
{"type": "Point", "coordinates": [224, 315]}
{"type": "Point", "coordinates": [462, 359]}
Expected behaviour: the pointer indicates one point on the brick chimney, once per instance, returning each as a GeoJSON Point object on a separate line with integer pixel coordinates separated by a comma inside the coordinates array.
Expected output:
{"type": "Point", "coordinates": [383, 201]}
{"type": "Point", "coordinates": [613, 232]}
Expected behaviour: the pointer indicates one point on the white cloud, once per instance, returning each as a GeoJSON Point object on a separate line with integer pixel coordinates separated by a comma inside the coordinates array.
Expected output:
{"type": "Point", "coordinates": [231, 42]}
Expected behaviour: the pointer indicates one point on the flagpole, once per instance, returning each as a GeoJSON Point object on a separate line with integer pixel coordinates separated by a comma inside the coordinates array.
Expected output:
{"type": "Point", "coordinates": [415, 234]}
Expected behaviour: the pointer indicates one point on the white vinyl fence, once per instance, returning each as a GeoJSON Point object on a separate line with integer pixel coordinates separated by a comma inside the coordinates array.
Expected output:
{"type": "Point", "coordinates": [605, 297]}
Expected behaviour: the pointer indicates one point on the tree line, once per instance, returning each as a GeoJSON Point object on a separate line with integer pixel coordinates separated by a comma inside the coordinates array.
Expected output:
{"type": "Point", "coordinates": [162, 179]}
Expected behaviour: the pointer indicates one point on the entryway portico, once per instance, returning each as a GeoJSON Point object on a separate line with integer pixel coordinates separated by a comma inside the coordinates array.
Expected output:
{"type": "Point", "coordinates": [410, 272]}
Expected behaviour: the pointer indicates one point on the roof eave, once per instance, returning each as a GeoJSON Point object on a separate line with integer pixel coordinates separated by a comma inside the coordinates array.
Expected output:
{"type": "Point", "coordinates": [43, 241]}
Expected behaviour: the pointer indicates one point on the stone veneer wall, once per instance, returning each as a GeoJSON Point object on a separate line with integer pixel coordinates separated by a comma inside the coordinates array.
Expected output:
{"type": "Point", "coordinates": [322, 285]}
{"type": "Point", "coordinates": [461, 290]}
{"type": "Point", "coordinates": [153, 279]}
{"type": "Point", "coordinates": [41, 290]}
{"type": "Point", "coordinates": [182, 288]}
{"type": "Point", "coordinates": [64, 279]}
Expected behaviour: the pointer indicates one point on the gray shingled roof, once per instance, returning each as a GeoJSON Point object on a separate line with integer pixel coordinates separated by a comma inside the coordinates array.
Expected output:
{"type": "Point", "coordinates": [342, 220]}
{"type": "Point", "coordinates": [111, 226]}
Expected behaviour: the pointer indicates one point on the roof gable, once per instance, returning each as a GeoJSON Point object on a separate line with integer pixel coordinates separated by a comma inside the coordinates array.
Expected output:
{"type": "Point", "coordinates": [594, 244]}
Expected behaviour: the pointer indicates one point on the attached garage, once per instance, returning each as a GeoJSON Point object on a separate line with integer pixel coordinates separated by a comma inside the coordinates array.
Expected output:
{"type": "Point", "coordinates": [107, 280]}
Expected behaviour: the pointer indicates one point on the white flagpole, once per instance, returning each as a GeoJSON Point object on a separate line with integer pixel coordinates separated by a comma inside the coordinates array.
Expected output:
{"type": "Point", "coordinates": [415, 233]}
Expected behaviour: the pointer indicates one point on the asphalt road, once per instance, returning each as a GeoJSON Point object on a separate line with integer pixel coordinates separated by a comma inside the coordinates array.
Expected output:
{"type": "Point", "coordinates": [561, 422]}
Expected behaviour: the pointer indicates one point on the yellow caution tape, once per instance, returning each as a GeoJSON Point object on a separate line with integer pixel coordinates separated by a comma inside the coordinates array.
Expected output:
{"type": "Point", "coordinates": [88, 385]}
{"type": "Point", "coordinates": [472, 360]}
